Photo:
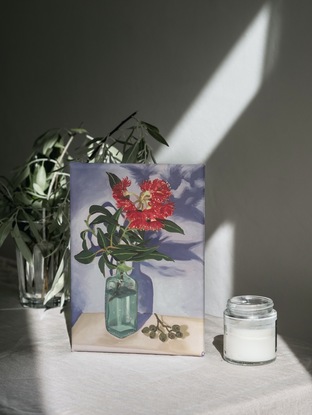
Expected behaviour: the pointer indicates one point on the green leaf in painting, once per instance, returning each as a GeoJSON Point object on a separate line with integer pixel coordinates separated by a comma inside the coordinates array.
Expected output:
{"type": "Point", "coordinates": [110, 265]}
{"type": "Point", "coordinates": [136, 249]}
{"type": "Point", "coordinates": [84, 242]}
{"type": "Point", "coordinates": [104, 219]}
{"type": "Point", "coordinates": [124, 267]}
{"type": "Point", "coordinates": [84, 245]}
{"type": "Point", "coordinates": [111, 229]}
{"type": "Point", "coordinates": [170, 226]}
{"type": "Point", "coordinates": [101, 264]}
{"type": "Point", "coordinates": [83, 234]}
{"type": "Point", "coordinates": [85, 257]}
{"type": "Point", "coordinates": [113, 179]}
{"type": "Point", "coordinates": [158, 256]}
{"type": "Point", "coordinates": [99, 209]}
{"type": "Point", "coordinates": [120, 255]}
{"type": "Point", "coordinates": [102, 239]}
{"type": "Point", "coordinates": [129, 253]}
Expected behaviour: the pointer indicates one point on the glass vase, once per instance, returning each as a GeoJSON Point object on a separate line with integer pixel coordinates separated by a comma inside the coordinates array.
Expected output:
{"type": "Point", "coordinates": [121, 305]}
{"type": "Point", "coordinates": [35, 279]}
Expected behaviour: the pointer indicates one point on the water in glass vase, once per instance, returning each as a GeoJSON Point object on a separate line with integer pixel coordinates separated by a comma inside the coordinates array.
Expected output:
{"type": "Point", "coordinates": [121, 305]}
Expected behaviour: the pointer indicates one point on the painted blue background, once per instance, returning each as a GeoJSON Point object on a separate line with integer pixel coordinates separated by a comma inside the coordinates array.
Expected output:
{"type": "Point", "coordinates": [179, 285]}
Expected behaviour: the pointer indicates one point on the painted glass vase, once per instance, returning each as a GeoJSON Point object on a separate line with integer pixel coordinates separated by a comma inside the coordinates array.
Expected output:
{"type": "Point", "coordinates": [121, 305]}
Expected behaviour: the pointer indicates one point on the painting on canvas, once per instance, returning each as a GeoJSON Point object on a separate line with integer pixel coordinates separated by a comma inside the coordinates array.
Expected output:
{"type": "Point", "coordinates": [137, 258]}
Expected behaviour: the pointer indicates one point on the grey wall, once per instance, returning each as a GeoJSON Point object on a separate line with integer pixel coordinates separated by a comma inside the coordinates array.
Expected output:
{"type": "Point", "coordinates": [95, 62]}
{"type": "Point", "coordinates": [67, 62]}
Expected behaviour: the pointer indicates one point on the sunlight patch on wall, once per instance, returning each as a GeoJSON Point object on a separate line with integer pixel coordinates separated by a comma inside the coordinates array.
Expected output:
{"type": "Point", "coordinates": [225, 97]}
{"type": "Point", "coordinates": [219, 285]}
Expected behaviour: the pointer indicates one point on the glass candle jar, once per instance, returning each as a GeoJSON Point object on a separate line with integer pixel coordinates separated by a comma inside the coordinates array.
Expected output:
{"type": "Point", "coordinates": [249, 330]}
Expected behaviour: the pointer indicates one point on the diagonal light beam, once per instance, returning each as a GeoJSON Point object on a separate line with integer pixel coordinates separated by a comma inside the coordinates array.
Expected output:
{"type": "Point", "coordinates": [225, 97]}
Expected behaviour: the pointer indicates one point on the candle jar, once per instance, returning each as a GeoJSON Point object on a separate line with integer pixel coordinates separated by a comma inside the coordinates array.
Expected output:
{"type": "Point", "coordinates": [249, 330]}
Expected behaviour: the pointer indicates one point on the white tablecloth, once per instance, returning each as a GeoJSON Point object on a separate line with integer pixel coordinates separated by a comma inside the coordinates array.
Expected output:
{"type": "Point", "coordinates": [39, 374]}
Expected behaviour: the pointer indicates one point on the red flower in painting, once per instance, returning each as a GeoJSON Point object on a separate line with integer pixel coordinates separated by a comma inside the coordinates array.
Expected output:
{"type": "Point", "coordinates": [146, 210]}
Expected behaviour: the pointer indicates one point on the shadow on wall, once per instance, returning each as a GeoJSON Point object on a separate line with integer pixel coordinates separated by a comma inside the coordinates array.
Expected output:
{"type": "Point", "coordinates": [106, 60]}
{"type": "Point", "coordinates": [259, 179]}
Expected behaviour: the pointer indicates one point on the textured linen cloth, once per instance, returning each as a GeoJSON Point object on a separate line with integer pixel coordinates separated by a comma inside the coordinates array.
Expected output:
{"type": "Point", "coordinates": [39, 374]}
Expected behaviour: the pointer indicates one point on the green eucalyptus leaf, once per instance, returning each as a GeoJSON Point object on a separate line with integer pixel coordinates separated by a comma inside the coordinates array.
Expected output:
{"type": "Point", "coordinates": [38, 190]}
{"type": "Point", "coordinates": [26, 238]}
{"type": "Point", "coordinates": [170, 226]}
{"type": "Point", "coordinates": [78, 131]}
{"type": "Point", "coordinates": [5, 230]}
{"type": "Point", "coordinates": [85, 257]}
{"type": "Point", "coordinates": [57, 287]}
{"type": "Point", "coordinates": [113, 179]}
{"type": "Point", "coordinates": [41, 177]}
{"type": "Point", "coordinates": [154, 132]}
{"type": "Point", "coordinates": [22, 174]}
{"type": "Point", "coordinates": [113, 155]}
{"type": "Point", "coordinates": [21, 244]}
{"type": "Point", "coordinates": [33, 227]}
{"type": "Point", "coordinates": [58, 282]}
{"type": "Point", "coordinates": [47, 140]}
{"type": "Point", "coordinates": [131, 154]}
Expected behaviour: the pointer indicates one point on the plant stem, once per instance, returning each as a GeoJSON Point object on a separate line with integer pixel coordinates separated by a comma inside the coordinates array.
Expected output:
{"type": "Point", "coordinates": [110, 134]}
{"type": "Point", "coordinates": [121, 124]}
{"type": "Point", "coordinates": [44, 224]}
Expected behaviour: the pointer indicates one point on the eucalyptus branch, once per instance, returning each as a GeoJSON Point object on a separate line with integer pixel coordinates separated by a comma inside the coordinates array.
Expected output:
{"type": "Point", "coordinates": [8, 195]}
{"type": "Point", "coordinates": [122, 123]}
{"type": "Point", "coordinates": [58, 161]}
{"type": "Point", "coordinates": [110, 134]}
{"type": "Point", "coordinates": [34, 204]}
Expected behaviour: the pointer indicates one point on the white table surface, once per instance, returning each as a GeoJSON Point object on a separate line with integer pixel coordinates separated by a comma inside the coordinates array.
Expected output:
{"type": "Point", "coordinates": [39, 374]}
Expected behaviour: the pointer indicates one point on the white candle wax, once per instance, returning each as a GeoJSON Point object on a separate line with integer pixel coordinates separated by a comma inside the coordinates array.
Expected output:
{"type": "Point", "coordinates": [248, 345]}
